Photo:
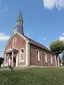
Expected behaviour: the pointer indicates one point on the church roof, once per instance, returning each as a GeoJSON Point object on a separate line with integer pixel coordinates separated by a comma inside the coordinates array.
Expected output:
{"type": "Point", "coordinates": [38, 44]}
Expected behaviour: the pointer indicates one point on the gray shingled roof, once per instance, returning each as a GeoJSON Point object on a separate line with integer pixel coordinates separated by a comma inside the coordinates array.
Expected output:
{"type": "Point", "coordinates": [38, 44]}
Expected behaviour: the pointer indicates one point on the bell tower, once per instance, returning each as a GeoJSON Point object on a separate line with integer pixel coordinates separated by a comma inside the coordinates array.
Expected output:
{"type": "Point", "coordinates": [19, 24]}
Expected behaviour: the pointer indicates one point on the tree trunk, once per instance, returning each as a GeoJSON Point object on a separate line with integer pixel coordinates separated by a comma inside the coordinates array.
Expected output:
{"type": "Point", "coordinates": [57, 60]}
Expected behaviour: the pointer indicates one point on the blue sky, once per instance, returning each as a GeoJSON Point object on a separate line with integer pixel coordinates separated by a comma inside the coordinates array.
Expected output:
{"type": "Point", "coordinates": [43, 19]}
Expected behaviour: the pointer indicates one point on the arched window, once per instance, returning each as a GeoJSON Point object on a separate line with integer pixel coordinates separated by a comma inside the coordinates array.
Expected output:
{"type": "Point", "coordinates": [22, 50]}
{"type": "Point", "coordinates": [51, 59]}
{"type": "Point", "coordinates": [38, 55]}
{"type": "Point", "coordinates": [22, 54]}
{"type": "Point", "coordinates": [45, 57]}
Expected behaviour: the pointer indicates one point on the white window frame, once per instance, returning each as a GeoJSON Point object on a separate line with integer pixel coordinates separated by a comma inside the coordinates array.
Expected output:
{"type": "Point", "coordinates": [21, 49]}
{"type": "Point", "coordinates": [5, 58]}
{"type": "Point", "coordinates": [46, 58]}
{"type": "Point", "coordinates": [51, 59]}
{"type": "Point", "coordinates": [38, 55]}
{"type": "Point", "coordinates": [21, 53]}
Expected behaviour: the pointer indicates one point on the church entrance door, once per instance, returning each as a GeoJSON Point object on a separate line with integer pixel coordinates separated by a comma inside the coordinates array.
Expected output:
{"type": "Point", "coordinates": [14, 61]}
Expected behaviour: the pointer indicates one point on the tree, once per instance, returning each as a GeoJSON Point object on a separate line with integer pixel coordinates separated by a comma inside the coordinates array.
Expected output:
{"type": "Point", "coordinates": [57, 47]}
{"type": "Point", "coordinates": [1, 61]}
{"type": "Point", "coordinates": [63, 58]}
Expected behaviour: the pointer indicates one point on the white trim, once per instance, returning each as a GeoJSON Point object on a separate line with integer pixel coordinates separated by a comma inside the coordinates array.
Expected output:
{"type": "Point", "coordinates": [17, 58]}
{"type": "Point", "coordinates": [27, 53]}
{"type": "Point", "coordinates": [20, 58]}
{"type": "Point", "coordinates": [45, 58]}
{"type": "Point", "coordinates": [51, 59]}
{"type": "Point", "coordinates": [5, 62]}
{"type": "Point", "coordinates": [38, 55]}
{"type": "Point", "coordinates": [10, 49]}
{"type": "Point", "coordinates": [12, 58]}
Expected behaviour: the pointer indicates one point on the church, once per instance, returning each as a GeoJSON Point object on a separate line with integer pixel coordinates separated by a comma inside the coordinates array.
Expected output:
{"type": "Point", "coordinates": [22, 51]}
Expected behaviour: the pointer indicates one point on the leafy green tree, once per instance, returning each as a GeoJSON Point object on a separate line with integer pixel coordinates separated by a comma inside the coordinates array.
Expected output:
{"type": "Point", "coordinates": [57, 47]}
{"type": "Point", "coordinates": [1, 61]}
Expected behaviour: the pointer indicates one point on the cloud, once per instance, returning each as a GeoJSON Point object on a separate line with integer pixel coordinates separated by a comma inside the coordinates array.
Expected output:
{"type": "Point", "coordinates": [63, 34]}
{"type": "Point", "coordinates": [3, 37]}
{"type": "Point", "coordinates": [50, 4]}
{"type": "Point", "coordinates": [61, 37]}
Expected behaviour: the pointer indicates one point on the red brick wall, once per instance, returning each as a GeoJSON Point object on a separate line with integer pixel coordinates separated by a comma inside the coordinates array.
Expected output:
{"type": "Point", "coordinates": [20, 43]}
{"type": "Point", "coordinates": [33, 57]}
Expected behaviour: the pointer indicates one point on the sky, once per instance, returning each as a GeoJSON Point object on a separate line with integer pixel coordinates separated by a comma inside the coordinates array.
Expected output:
{"type": "Point", "coordinates": [43, 20]}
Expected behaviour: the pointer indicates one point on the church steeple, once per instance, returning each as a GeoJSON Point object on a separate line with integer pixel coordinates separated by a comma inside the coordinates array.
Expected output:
{"type": "Point", "coordinates": [20, 17]}
{"type": "Point", "coordinates": [19, 26]}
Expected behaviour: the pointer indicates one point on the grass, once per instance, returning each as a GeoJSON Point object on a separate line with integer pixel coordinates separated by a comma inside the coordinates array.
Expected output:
{"type": "Point", "coordinates": [33, 76]}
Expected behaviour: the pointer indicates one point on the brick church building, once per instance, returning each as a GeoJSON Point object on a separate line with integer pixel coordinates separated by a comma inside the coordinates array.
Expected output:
{"type": "Point", "coordinates": [23, 51]}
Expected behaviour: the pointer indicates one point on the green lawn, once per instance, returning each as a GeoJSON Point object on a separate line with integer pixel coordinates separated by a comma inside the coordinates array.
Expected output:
{"type": "Point", "coordinates": [33, 76]}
